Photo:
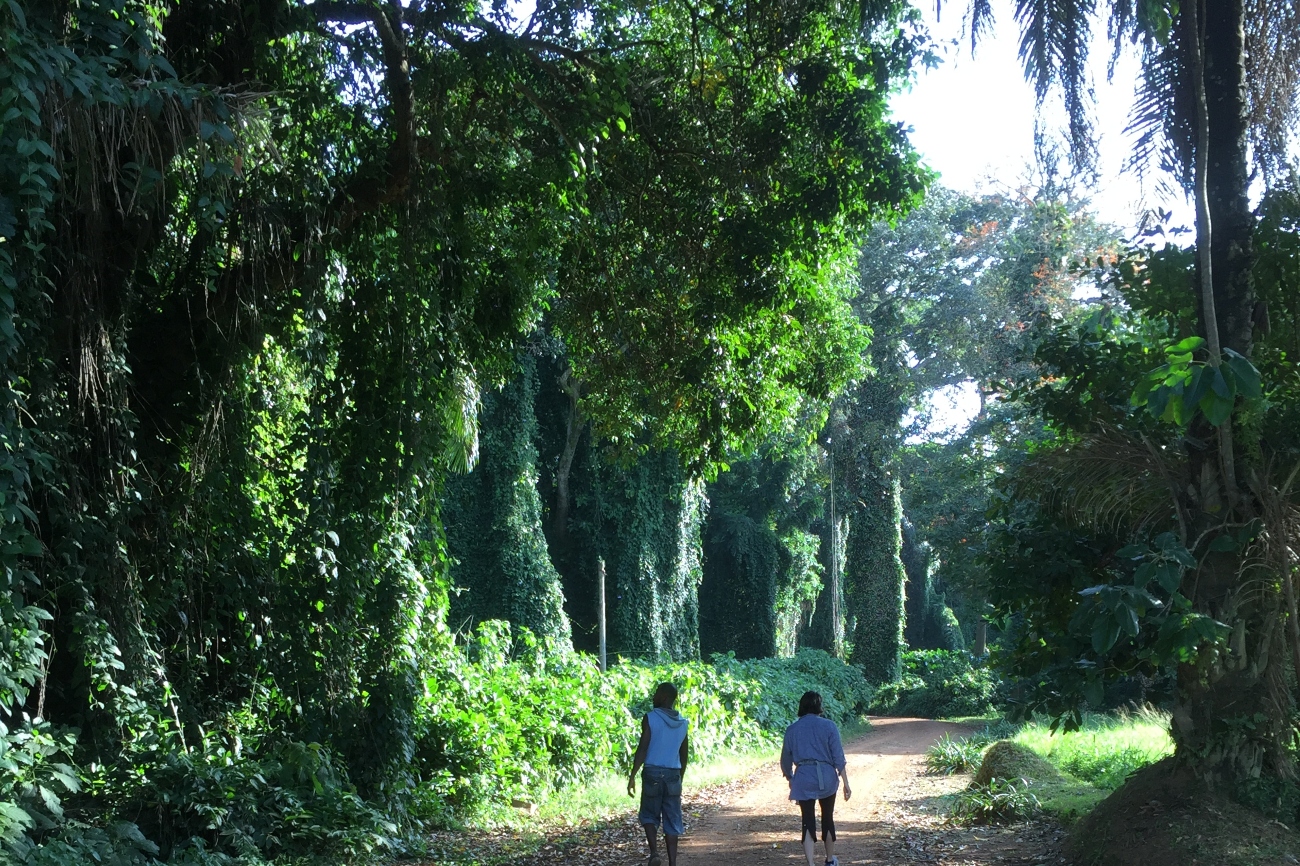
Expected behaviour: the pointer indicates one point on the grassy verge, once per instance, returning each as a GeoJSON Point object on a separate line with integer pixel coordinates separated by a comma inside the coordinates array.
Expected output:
{"type": "Point", "coordinates": [1068, 773]}
{"type": "Point", "coordinates": [1107, 750]}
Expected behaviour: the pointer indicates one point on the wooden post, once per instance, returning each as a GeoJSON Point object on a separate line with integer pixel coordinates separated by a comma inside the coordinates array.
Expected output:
{"type": "Point", "coordinates": [600, 575]}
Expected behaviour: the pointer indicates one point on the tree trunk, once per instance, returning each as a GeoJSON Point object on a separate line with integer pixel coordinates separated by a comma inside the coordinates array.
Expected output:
{"type": "Point", "coordinates": [1224, 723]}
{"type": "Point", "coordinates": [1228, 173]}
{"type": "Point", "coordinates": [875, 576]}
{"type": "Point", "coordinates": [564, 470]}
{"type": "Point", "coordinates": [981, 646]}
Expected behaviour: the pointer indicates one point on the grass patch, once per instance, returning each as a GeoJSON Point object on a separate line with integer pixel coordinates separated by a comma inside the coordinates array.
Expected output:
{"type": "Point", "coordinates": [1058, 794]}
{"type": "Point", "coordinates": [947, 755]}
{"type": "Point", "coordinates": [1107, 750]}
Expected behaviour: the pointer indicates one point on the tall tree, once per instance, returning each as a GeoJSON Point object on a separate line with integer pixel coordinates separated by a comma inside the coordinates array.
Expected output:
{"type": "Point", "coordinates": [956, 294]}
{"type": "Point", "coordinates": [1209, 68]}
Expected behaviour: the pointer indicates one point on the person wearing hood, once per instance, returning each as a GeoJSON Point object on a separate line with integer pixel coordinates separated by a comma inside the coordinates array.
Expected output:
{"type": "Point", "coordinates": [663, 751]}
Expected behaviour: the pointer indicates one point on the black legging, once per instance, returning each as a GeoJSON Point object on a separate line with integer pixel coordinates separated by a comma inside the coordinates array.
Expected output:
{"type": "Point", "coordinates": [810, 818]}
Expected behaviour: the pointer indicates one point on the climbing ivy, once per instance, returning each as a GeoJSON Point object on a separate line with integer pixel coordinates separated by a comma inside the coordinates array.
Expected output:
{"type": "Point", "coordinates": [930, 623]}
{"type": "Point", "coordinates": [875, 578]}
{"type": "Point", "coordinates": [762, 575]}
{"type": "Point", "coordinates": [501, 566]}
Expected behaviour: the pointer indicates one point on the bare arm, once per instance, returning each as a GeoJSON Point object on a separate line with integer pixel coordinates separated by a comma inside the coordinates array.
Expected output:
{"type": "Point", "coordinates": [684, 753]}
{"type": "Point", "coordinates": [842, 764]}
{"type": "Point", "coordinates": [638, 757]}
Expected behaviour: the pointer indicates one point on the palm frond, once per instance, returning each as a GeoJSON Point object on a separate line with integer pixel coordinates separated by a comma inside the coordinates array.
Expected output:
{"type": "Point", "coordinates": [1054, 40]}
{"type": "Point", "coordinates": [1273, 80]}
{"type": "Point", "coordinates": [981, 20]}
{"type": "Point", "coordinates": [1107, 481]}
{"type": "Point", "coordinates": [1161, 122]}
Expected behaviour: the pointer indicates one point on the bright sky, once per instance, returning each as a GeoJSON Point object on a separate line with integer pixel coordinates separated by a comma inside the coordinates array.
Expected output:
{"type": "Point", "coordinates": [973, 118]}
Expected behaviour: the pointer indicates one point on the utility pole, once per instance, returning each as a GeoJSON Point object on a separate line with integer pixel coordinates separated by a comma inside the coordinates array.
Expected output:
{"type": "Point", "coordinates": [600, 577]}
{"type": "Point", "coordinates": [837, 631]}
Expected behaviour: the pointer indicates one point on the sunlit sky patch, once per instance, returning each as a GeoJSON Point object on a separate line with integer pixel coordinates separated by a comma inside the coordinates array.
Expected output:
{"type": "Point", "coordinates": [973, 118]}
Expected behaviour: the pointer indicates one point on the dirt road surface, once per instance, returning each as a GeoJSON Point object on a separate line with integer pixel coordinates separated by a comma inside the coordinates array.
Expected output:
{"type": "Point", "coordinates": [894, 815]}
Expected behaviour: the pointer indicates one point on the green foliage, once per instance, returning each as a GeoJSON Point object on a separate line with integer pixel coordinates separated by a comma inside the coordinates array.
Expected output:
{"type": "Point", "coordinates": [1001, 801]}
{"type": "Point", "coordinates": [874, 576]}
{"type": "Point", "coordinates": [1105, 750]}
{"type": "Point", "coordinates": [1176, 390]}
{"type": "Point", "coordinates": [523, 717]}
{"type": "Point", "coordinates": [1058, 794]}
{"type": "Point", "coordinates": [930, 623]}
{"type": "Point", "coordinates": [253, 799]}
{"type": "Point", "coordinates": [492, 517]}
{"type": "Point", "coordinates": [805, 139]}
{"type": "Point", "coordinates": [762, 574]}
{"type": "Point", "coordinates": [948, 755]}
{"type": "Point", "coordinates": [846, 695]}
{"type": "Point", "coordinates": [798, 586]}
{"type": "Point", "coordinates": [938, 684]}
{"type": "Point", "coordinates": [255, 271]}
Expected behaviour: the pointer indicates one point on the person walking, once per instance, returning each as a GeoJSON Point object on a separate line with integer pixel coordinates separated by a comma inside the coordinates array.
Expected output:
{"type": "Point", "coordinates": [812, 761]}
{"type": "Point", "coordinates": [663, 750]}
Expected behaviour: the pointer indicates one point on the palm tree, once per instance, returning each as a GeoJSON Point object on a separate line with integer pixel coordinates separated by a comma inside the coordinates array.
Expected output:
{"type": "Point", "coordinates": [1219, 92]}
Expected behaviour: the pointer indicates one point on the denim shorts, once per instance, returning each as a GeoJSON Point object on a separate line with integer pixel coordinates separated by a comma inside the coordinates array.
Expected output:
{"type": "Point", "coordinates": [661, 799]}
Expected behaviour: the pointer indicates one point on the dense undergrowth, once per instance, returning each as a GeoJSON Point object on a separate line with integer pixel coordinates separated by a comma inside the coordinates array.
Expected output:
{"type": "Point", "coordinates": [505, 718]}
{"type": "Point", "coordinates": [938, 684]}
{"type": "Point", "coordinates": [509, 720]}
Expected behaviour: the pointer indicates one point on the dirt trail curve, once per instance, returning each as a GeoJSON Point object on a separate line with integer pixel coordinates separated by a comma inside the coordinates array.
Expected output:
{"type": "Point", "coordinates": [893, 817]}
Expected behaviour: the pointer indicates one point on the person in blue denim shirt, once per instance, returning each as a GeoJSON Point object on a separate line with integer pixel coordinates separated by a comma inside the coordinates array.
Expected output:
{"type": "Point", "coordinates": [663, 750]}
{"type": "Point", "coordinates": [812, 760]}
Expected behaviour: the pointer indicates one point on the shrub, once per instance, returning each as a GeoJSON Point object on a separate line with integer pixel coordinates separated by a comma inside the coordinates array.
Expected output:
{"type": "Point", "coordinates": [998, 802]}
{"type": "Point", "coordinates": [520, 718]}
{"type": "Point", "coordinates": [938, 684]}
{"type": "Point", "coordinates": [948, 756]}
{"type": "Point", "coordinates": [1057, 793]}
{"type": "Point", "coordinates": [846, 695]}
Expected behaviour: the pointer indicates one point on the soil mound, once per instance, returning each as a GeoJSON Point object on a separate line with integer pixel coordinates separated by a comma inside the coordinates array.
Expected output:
{"type": "Point", "coordinates": [1008, 760]}
{"type": "Point", "coordinates": [1163, 816]}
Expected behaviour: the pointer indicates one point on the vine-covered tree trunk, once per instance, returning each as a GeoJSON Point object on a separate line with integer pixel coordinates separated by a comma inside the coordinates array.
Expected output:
{"type": "Point", "coordinates": [874, 575]}
{"type": "Point", "coordinates": [645, 519]}
{"type": "Point", "coordinates": [825, 628]}
{"type": "Point", "coordinates": [493, 521]}
{"type": "Point", "coordinates": [930, 623]}
{"type": "Point", "coordinates": [651, 542]}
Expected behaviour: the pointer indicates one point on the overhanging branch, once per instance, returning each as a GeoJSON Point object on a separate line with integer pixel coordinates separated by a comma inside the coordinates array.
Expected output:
{"type": "Point", "coordinates": [362, 194]}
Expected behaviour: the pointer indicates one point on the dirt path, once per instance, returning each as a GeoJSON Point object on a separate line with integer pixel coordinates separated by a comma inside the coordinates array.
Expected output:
{"type": "Point", "coordinates": [897, 816]}
{"type": "Point", "coordinates": [894, 815]}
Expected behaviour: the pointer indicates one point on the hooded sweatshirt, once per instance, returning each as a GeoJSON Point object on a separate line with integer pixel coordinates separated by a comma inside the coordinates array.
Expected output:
{"type": "Point", "coordinates": [667, 730]}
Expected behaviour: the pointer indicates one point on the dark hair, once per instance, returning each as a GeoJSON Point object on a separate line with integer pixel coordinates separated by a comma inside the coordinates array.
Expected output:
{"type": "Point", "coordinates": [665, 695]}
{"type": "Point", "coordinates": [811, 702]}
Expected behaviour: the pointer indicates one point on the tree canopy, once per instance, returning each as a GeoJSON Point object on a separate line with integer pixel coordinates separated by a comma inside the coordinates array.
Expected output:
{"type": "Point", "coordinates": [261, 258]}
